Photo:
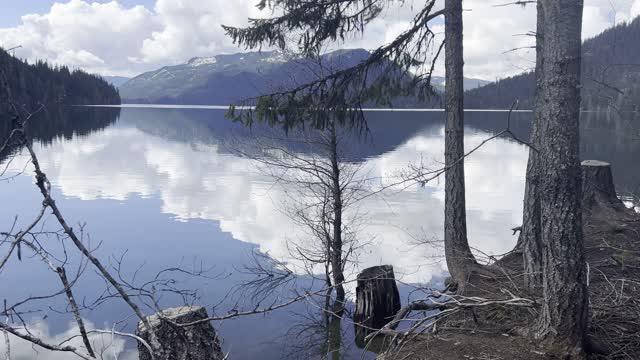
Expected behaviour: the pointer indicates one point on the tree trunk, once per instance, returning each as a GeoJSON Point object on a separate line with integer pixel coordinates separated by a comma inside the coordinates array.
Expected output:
{"type": "Point", "coordinates": [563, 318]}
{"type": "Point", "coordinates": [529, 240]}
{"type": "Point", "coordinates": [198, 342]}
{"type": "Point", "coordinates": [457, 252]}
{"type": "Point", "coordinates": [377, 301]}
{"type": "Point", "coordinates": [335, 255]}
{"type": "Point", "coordinates": [334, 338]}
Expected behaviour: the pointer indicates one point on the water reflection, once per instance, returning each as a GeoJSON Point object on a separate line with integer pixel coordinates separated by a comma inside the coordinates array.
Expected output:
{"type": "Point", "coordinates": [200, 180]}
{"type": "Point", "coordinates": [166, 183]}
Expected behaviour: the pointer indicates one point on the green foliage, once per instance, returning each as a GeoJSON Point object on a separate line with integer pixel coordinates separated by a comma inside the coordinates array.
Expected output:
{"type": "Point", "coordinates": [54, 86]}
{"type": "Point", "coordinates": [401, 68]}
{"type": "Point", "coordinates": [313, 22]}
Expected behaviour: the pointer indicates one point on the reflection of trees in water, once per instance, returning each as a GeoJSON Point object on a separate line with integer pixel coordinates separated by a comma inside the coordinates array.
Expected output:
{"type": "Point", "coordinates": [322, 196]}
{"type": "Point", "coordinates": [58, 123]}
{"type": "Point", "coordinates": [609, 136]}
{"type": "Point", "coordinates": [69, 122]}
{"type": "Point", "coordinates": [318, 335]}
{"type": "Point", "coordinates": [614, 138]}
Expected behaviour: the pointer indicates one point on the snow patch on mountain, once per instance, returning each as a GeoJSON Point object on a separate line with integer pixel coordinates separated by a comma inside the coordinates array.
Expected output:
{"type": "Point", "coordinates": [279, 57]}
{"type": "Point", "coordinates": [199, 61]}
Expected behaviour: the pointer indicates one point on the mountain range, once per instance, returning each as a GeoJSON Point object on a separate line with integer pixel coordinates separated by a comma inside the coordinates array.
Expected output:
{"type": "Point", "coordinates": [116, 81]}
{"type": "Point", "coordinates": [610, 77]}
{"type": "Point", "coordinates": [228, 79]}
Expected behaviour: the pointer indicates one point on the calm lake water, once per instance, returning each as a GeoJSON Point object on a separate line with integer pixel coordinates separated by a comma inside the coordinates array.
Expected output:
{"type": "Point", "coordinates": [167, 187]}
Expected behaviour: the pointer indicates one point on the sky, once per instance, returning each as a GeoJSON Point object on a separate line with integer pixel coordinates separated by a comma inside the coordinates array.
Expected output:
{"type": "Point", "coordinates": [128, 37]}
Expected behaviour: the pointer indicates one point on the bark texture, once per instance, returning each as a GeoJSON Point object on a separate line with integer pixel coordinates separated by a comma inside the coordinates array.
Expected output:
{"type": "Point", "coordinates": [198, 342]}
{"type": "Point", "coordinates": [563, 317]}
{"type": "Point", "coordinates": [377, 300]}
{"type": "Point", "coordinates": [335, 253]}
{"type": "Point", "coordinates": [459, 258]}
{"type": "Point", "coordinates": [529, 241]}
{"type": "Point", "coordinates": [334, 338]}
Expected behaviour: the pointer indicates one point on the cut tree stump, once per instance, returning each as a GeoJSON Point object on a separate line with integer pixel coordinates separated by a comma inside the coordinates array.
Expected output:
{"type": "Point", "coordinates": [377, 301]}
{"type": "Point", "coordinates": [198, 342]}
{"type": "Point", "coordinates": [597, 186]}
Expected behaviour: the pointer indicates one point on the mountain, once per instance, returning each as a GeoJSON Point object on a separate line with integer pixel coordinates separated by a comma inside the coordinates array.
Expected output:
{"type": "Point", "coordinates": [469, 83]}
{"type": "Point", "coordinates": [610, 75]}
{"type": "Point", "coordinates": [227, 79]}
{"type": "Point", "coordinates": [116, 81]}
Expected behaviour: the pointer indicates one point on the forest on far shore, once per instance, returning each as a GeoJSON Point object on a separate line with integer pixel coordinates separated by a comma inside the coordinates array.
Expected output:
{"type": "Point", "coordinates": [610, 74]}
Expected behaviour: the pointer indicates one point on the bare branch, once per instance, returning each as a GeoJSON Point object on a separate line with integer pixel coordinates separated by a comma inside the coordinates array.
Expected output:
{"type": "Point", "coordinates": [34, 340]}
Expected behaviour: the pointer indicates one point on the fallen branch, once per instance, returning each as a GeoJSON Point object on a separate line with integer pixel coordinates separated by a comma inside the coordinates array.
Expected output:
{"type": "Point", "coordinates": [453, 303]}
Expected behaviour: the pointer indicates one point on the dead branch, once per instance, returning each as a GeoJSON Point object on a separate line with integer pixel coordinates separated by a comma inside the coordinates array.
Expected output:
{"type": "Point", "coordinates": [44, 185]}
{"type": "Point", "coordinates": [37, 341]}
{"type": "Point", "coordinates": [439, 306]}
{"type": "Point", "coordinates": [18, 238]}
{"type": "Point", "coordinates": [7, 343]}
{"type": "Point", "coordinates": [74, 308]}
{"type": "Point", "coordinates": [520, 3]}
{"type": "Point", "coordinates": [119, 333]}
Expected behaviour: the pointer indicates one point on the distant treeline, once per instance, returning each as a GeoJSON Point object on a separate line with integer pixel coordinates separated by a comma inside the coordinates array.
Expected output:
{"type": "Point", "coordinates": [57, 88]}
{"type": "Point", "coordinates": [610, 75]}
{"type": "Point", "coordinates": [54, 86]}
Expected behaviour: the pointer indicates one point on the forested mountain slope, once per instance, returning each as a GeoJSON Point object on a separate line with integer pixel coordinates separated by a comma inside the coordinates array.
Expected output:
{"type": "Point", "coordinates": [610, 75]}
{"type": "Point", "coordinates": [53, 86]}
{"type": "Point", "coordinates": [229, 79]}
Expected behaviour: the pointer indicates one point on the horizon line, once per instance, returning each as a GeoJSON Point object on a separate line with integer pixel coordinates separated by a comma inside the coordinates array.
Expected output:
{"type": "Point", "coordinates": [226, 107]}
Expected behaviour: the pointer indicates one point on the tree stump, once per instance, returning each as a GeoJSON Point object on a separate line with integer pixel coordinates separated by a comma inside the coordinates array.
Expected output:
{"type": "Point", "coordinates": [597, 186]}
{"type": "Point", "coordinates": [377, 301]}
{"type": "Point", "coordinates": [198, 342]}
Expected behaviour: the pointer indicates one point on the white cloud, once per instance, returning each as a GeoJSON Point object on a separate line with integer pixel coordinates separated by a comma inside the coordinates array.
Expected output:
{"type": "Point", "coordinates": [111, 38]}
{"type": "Point", "coordinates": [94, 36]}
{"type": "Point", "coordinates": [81, 58]}
{"type": "Point", "coordinates": [635, 9]}
{"type": "Point", "coordinates": [193, 28]}
{"type": "Point", "coordinates": [24, 350]}
{"type": "Point", "coordinates": [595, 20]}
{"type": "Point", "coordinates": [197, 181]}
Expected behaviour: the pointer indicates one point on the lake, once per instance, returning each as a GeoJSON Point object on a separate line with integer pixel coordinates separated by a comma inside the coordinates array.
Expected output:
{"type": "Point", "coordinates": [169, 187]}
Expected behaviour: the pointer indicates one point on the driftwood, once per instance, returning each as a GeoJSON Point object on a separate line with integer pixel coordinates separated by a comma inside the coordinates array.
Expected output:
{"type": "Point", "coordinates": [377, 301]}
{"type": "Point", "coordinates": [197, 342]}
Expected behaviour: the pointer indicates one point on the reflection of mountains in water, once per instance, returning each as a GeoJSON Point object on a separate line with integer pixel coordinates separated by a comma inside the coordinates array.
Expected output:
{"type": "Point", "coordinates": [60, 123]}
{"type": "Point", "coordinates": [605, 136]}
{"type": "Point", "coordinates": [386, 130]}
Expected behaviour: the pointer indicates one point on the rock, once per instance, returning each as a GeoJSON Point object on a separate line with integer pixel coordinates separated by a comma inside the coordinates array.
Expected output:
{"type": "Point", "coordinates": [377, 300]}
{"type": "Point", "coordinates": [198, 342]}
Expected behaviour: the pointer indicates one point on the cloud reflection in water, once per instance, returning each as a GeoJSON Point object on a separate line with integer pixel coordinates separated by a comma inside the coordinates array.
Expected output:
{"type": "Point", "coordinates": [198, 181]}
